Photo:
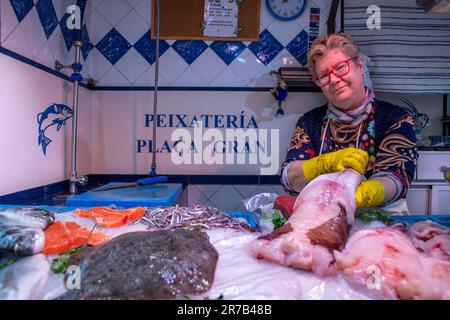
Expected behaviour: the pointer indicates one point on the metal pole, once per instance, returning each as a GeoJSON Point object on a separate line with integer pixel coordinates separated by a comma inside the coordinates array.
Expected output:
{"type": "Point", "coordinates": [73, 170]}
{"type": "Point", "coordinates": [155, 92]}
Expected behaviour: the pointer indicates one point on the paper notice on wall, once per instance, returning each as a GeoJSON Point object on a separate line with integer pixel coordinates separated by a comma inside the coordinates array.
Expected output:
{"type": "Point", "coordinates": [220, 18]}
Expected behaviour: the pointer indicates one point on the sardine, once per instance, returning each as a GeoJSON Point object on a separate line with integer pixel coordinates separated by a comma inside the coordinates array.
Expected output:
{"type": "Point", "coordinates": [24, 279]}
{"type": "Point", "coordinates": [27, 217]}
{"type": "Point", "coordinates": [202, 216]}
{"type": "Point", "coordinates": [22, 241]}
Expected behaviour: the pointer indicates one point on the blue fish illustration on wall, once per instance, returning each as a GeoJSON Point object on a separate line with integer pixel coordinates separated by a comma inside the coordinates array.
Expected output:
{"type": "Point", "coordinates": [56, 114]}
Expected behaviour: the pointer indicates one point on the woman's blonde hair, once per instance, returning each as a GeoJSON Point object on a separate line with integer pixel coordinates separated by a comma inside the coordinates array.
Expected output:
{"type": "Point", "coordinates": [331, 41]}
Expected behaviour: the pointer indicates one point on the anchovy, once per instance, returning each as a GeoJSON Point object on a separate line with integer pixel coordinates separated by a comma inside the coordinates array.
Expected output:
{"type": "Point", "coordinates": [200, 216]}
{"type": "Point", "coordinates": [21, 241]}
{"type": "Point", "coordinates": [27, 217]}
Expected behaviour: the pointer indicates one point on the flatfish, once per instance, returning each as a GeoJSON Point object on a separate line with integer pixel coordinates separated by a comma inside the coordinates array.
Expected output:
{"type": "Point", "coordinates": [164, 264]}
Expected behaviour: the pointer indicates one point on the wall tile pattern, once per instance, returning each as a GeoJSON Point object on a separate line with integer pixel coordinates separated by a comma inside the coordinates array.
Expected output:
{"type": "Point", "coordinates": [117, 30]}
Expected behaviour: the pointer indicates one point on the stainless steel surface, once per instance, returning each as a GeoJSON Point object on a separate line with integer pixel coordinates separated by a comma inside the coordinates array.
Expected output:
{"type": "Point", "coordinates": [295, 77]}
{"type": "Point", "coordinates": [428, 182]}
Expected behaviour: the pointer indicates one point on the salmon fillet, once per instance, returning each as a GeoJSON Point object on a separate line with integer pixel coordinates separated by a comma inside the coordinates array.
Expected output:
{"type": "Point", "coordinates": [111, 218]}
{"type": "Point", "coordinates": [63, 236]}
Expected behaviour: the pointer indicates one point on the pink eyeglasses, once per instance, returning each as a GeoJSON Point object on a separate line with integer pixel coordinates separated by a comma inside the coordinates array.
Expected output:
{"type": "Point", "coordinates": [339, 70]}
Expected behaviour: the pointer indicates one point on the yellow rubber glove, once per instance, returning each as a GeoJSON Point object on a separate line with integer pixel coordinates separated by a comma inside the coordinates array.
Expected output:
{"type": "Point", "coordinates": [336, 161]}
{"type": "Point", "coordinates": [369, 193]}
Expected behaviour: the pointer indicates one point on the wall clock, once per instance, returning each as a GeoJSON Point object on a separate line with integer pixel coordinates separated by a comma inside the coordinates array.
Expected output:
{"type": "Point", "coordinates": [286, 10]}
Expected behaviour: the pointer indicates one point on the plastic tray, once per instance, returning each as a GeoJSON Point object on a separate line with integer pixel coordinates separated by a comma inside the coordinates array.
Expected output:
{"type": "Point", "coordinates": [441, 219]}
{"type": "Point", "coordinates": [164, 194]}
{"type": "Point", "coordinates": [248, 216]}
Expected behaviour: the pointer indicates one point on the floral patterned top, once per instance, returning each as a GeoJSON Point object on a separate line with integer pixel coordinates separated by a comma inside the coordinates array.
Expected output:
{"type": "Point", "coordinates": [387, 135]}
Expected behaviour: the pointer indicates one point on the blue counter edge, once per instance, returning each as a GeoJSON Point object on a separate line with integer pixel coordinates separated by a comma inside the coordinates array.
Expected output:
{"type": "Point", "coordinates": [41, 193]}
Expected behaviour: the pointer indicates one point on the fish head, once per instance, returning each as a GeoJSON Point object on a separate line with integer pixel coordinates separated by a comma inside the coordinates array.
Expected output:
{"type": "Point", "coordinates": [45, 217]}
{"type": "Point", "coordinates": [63, 110]}
{"type": "Point", "coordinates": [56, 114]}
{"type": "Point", "coordinates": [27, 217]}
{"type": "Point", "coordinates": [21, 240]}
{"type": "Point", "coordinates": [55, 111]}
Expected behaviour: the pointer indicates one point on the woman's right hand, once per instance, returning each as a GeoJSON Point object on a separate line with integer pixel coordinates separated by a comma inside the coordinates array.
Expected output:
{"type": "Point", "coordinates": [349, 158]}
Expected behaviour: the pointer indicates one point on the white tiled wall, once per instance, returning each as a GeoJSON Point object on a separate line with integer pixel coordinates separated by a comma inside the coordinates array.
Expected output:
{"type": "Point", "coordinates": [131, 19]}
{"type": "Point", "coordinates": [28, 38]}
{"type": "Point", "coordinates": [227, 197]}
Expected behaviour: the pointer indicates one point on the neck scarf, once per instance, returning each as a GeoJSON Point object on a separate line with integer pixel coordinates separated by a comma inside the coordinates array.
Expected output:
{"type": "Point", "coordinates": [356, 116]}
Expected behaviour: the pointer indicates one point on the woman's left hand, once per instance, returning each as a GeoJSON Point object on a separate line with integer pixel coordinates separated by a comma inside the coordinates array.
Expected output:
{"type": "Point", "coordinates": [369, 193]}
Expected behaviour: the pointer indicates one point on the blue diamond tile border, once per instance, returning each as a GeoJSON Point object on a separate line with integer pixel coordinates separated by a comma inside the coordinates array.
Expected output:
{"type": "Point", "coordinates": [47, 15]}
{"type": "Point", "coordinates": [227, 50]}
{"type": "Point", "coordinates": [266, 48]}
{"type": "Point", "coordinates": [147, 47]}
{"type": "Point", "coordinates": [82, 5]}
{"type": "Point", "coordinates": [189, 50]}
{"type": "Point", "coordinates": [87, 45]}
{"type": "Point", "coordinates": [67, 34]}
{"type": "Point", "coordinates": [21, 8]}
{"type": "Point", "coordinates": [113, 46]}
{"type": "Point", "coordinates": [298, 47]}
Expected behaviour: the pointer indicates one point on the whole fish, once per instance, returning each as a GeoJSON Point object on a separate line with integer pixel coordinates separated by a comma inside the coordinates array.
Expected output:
{"type": "Point", "coordinates": [384, 262]}
{"type": "Point", "coordinates": [154, 265]}
{"type": "Point", "coordinates": [319, 224]}
{"type": "Point", "coordinates": [200, 216]}
{"type": "Point", "coordinates": [21, 241]}
{"type": "Point", "coordinates": [27, 217]}
{"type": "Point", "coordinates": [432, 239]}
{"type": "Point", "coordinates": [24, 279]}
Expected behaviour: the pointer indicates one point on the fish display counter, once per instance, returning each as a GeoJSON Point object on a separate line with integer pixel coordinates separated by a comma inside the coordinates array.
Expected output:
{"type": "Point", "coordinates": [202, 253]}
{"type": "Point", "coordinates": [148, 121]}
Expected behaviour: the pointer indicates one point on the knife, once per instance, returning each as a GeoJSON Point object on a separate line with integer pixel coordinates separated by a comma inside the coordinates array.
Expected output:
{"type": "Point", "coordinates": [140, 182]}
